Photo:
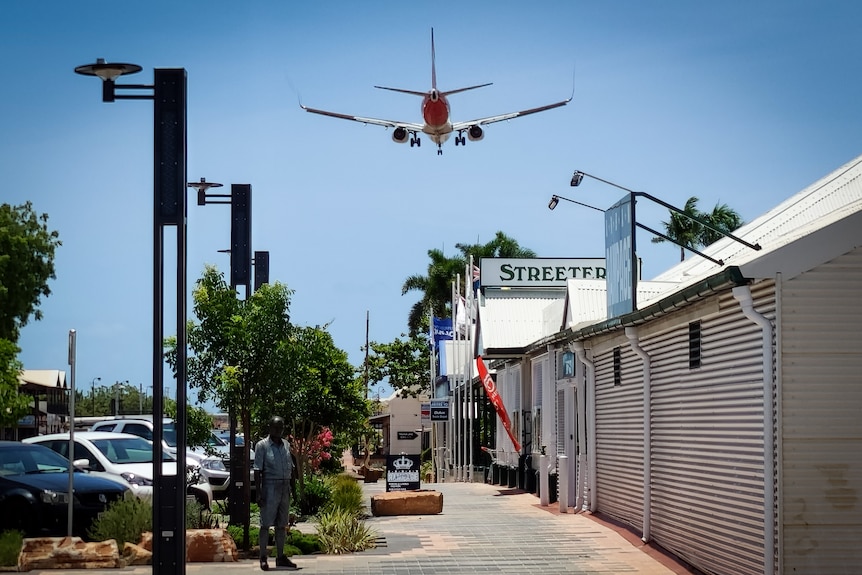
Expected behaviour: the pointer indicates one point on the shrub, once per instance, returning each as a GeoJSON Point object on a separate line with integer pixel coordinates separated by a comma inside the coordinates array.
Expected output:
{"type": "Point", "coordinates": [123, 521]}
{"type": "Point", "coordinates": [199, 517]}
{"type": "Point", "coordinates": [343, 532]}
{"type": "Point", "coordinates": [347, 495]}
{"type": "Point", "coordinates": [10, 547]}
{"type": "Point", "coordinates": [235, 531]}
{"type": "Point", "coordinates": [313, 495]}
{"type": "Point", "coordinates": [305, 544]}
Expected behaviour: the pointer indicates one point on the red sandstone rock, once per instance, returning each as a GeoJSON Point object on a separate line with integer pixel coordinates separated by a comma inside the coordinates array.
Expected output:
{"type": "Point", "coordinates": [423, 502]}
{"type": "Point", "coordinates": [65, 553]}
{"type": "Point", "coordinates": [210, 545]}
{"type": "Point", "coordinates": [137, 555]}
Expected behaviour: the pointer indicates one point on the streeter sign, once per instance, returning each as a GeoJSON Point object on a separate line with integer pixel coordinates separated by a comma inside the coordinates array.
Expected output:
{"type": "Point", "coordinates": [538, 272]}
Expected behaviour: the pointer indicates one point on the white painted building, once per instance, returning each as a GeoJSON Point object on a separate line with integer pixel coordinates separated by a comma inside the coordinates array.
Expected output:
{"type": "Point", "coordinates": [722, 419]}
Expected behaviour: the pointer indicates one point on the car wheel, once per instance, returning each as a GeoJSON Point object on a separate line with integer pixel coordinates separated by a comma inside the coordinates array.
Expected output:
{"type": "Point", "coordinates": [18, 515]}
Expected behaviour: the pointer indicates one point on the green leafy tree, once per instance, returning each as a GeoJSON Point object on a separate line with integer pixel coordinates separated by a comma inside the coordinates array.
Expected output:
{"type": "Point", "coordinates": [317, 388]}
{"type": "Point", "coordinates": [26, 264]}
{"type": "Point", "coordinates": [404, 363]}
{"type": "Point", "coordinates": [13, 405]}
{"type": "Point", "coordinates": [690, 233]}
{"type": "Point", "coordinates": [235, 357]}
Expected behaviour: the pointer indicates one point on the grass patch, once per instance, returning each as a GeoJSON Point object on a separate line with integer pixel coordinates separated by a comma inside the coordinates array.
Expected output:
{"type": "Point", "coordinates": [10, 547]}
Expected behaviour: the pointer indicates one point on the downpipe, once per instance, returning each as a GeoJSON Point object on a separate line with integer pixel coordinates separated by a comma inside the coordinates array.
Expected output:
{"type": "Point", "coordinates": [746, 302]}
{"type": "Point", "coordinates": [632, 334]}
{"type": "Point", "coordinates": [580, 351]}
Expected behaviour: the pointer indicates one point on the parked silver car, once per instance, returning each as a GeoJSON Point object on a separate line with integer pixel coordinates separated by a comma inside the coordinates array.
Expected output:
{"type": "Point", "coordinates": [212, 467]}
{"type": "Point", "coordinates": [122, 455]}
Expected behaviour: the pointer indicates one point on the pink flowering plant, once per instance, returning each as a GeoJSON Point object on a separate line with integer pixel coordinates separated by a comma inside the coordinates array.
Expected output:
{"type": "Point", "coordinates": [311, 451]}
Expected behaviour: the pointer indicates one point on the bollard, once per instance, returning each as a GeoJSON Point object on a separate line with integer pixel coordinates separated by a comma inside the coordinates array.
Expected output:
{"type": "Point", "coordinates": [544, 500]}
{"type": "Point", "coordinates": [563, 471]}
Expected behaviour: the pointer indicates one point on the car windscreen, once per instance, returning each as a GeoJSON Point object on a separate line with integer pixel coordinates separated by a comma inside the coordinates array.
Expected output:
{"type": "Point", "coordinates": [122, 450]}
{"type": "Point", "coordinates": [31, 459]}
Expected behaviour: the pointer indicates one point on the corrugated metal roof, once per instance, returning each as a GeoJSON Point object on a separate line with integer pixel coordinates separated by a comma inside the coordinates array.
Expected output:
{"type": "Point", "coordinates": [829, 200]}
{"type": "Point", "coordinates": [586, 300]}
{"type": "Point", "coordinates": [512, 319]}
{"type": "Point", "coordinates": [43, 377]}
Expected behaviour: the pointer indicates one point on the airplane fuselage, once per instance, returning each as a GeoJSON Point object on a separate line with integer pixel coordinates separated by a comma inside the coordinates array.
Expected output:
{"type": "Point", "coordinates": [435, 112]}
{"type": "Point", "coordinates": [436, 115]}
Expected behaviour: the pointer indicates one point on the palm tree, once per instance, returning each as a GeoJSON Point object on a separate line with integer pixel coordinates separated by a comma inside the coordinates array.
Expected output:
{"type": "Point", "coordinates": [686, 232]}
{"type": "Point", "coordinates": [692, 234]}
{"type": "Point", "coordinates": [723, 218]}
{"type": "Point", "coordinates": [502, 246]}
{"type": "Point", "coordinates": [436, 286]}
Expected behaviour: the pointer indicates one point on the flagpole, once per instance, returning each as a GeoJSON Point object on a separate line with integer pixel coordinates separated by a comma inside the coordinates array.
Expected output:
{"type": "Point", "coordinates": [468, 373]}
{"type": "Point", "coordinates": [453, 455]}
{"type": "Point", "coordinates": [431, 372]}
{"type": "Point", "coordinates": [459, 423]}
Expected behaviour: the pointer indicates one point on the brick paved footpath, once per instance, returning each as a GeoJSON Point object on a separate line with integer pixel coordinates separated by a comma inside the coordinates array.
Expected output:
{"type": "Point", "coordinates": [483, 529]}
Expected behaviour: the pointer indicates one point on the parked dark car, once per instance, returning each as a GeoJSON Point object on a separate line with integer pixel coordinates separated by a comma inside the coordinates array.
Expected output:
{"type": "Point", "coordinates": [34, 492]}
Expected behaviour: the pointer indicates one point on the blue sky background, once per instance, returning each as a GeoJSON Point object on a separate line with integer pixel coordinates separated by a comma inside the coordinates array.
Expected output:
{"type": "Point", "coordinates": [743, 103]}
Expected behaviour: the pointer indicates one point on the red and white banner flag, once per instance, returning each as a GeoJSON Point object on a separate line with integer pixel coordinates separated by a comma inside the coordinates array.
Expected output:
{"type": "Point", "coordinates": [494, 396]}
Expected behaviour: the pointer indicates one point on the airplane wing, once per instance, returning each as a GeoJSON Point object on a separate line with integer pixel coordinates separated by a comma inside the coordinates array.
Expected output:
{"type": "Point", "coordinates": [491, 119]}
{"type": "Point", "coordinates": [412, 127]}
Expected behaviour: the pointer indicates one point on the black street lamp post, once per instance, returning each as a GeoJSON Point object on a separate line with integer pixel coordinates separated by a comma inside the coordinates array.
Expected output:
{"type": "Point", "coordinates": [168, 93]}
{"type": "Point", "coordinates": [239, 199]}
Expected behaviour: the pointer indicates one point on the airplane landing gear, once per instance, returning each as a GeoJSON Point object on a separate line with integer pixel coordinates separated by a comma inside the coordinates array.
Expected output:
{"type": "Point", "coordinates": [460, 140]}
{"type": "Point", "coordinates": [415, 141]}
{"type": "Point", "coordinates": [439, 150]}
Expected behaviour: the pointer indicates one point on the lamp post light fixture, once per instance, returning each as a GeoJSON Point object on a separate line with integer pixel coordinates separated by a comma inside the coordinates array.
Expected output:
{"type": "Point", "coordinates": [93, 392]}
{"type": "Point", "coordinates": [168, 93]}
{"type": "Point", "coordinates": [555, 199]}
{"type": "Point", "coordinates": [620, 243]}
{"type": "Point", "coordinates": [578, 177]}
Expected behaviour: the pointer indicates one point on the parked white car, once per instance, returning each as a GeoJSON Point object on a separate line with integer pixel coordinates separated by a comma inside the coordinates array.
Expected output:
{"type": "Point", "coordinates": [212, 468]}
{"type": "Point", "coordinates": [120, 455]}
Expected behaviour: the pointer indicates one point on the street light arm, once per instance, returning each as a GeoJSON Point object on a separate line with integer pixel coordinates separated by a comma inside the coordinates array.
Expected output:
{"type": "Point", "coordinates": [698, 220]}
{"type": "Point", "coordinates": [579, 175]}
{"type": "Point", "coordinates": [673, 241]}
{"type": "Point", "coordinates": [556, 198]}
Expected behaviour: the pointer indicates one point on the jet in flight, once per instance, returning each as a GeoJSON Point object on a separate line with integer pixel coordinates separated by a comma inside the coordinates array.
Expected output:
{"type": "Point", "coordinates": [435, 112]}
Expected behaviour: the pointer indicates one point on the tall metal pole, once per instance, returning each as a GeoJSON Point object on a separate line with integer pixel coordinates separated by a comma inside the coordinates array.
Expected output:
{"type": "Point", "coordinates": [72, 361]}
{"type": "Point", "coordinates": [169, 170]}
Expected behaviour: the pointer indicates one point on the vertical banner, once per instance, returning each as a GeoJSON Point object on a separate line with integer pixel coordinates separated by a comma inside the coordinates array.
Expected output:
{"type": "Point", "coordinates": [494, 396]}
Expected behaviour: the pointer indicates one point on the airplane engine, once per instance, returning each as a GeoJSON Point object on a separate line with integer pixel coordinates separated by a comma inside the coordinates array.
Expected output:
{"type": "Point", "coordinates": [400, 135]}
{"type": "Point", "coordinates": [475, 133]}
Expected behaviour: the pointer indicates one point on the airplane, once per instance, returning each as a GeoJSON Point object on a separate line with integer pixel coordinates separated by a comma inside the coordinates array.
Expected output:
{"type": "Point", "coordinates": [435, 112]}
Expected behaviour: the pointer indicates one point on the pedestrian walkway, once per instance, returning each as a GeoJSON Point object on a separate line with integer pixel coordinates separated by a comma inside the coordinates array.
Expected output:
{"type": "Point", "coordinates": [483, 529]}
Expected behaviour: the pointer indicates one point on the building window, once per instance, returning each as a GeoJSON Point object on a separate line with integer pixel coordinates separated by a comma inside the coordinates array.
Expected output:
{"type": "Point", "coordinates": [694, 345]}
{"type": "Point", "coordinates": [618, 367]}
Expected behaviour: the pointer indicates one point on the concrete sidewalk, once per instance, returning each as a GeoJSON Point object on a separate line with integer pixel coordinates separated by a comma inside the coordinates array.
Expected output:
{"type": "Point", "coordinates": [483, 529]}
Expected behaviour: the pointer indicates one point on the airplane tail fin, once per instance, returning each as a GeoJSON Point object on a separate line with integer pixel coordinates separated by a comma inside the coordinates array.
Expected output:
{"type": "Point", "coordinates": [433, 64]}
{"type": "Point", "coordinates": [433, 79]}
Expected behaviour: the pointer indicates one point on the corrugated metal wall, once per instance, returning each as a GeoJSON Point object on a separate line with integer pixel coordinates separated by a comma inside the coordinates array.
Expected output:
{"type": "Point", "coordinates": [619, 435]}
{"type": "Point", "coordinates": [706, 434]}
{"type": "Point", "coordinates": [707, 437]}
{"type": "Point", "coordinates": [821, 419]}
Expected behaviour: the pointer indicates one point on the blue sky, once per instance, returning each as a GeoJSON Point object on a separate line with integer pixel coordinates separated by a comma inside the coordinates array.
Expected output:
{"type": "Point", "coordinates": [743, 103]}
